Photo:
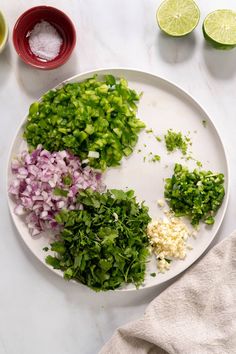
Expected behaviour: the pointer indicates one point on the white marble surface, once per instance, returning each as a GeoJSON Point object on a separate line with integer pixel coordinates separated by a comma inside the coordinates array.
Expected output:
{"type": "Point", "coordinates": [39, 312]}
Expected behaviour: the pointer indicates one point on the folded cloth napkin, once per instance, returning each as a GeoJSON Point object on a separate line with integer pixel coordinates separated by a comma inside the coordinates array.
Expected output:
{"type": "Point", "coordinates": [195, 315]}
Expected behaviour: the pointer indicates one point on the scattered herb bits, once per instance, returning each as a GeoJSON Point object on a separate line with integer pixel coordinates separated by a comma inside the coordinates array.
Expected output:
{"type": "Point", "coordinates": [196, 194]}
{"type": "Point", "coordinates": [104, 245]}
{"type": "Point", "coordinates": [198, 163]}
{"type": "Point", "coordinates": [158, 138]}
{"type": "Point", "coordinates": [176, 141]}
{"type": "Point", "coordinates": [148, 131]}
{"type": "Point", "coordinates": [94, 119]}
{"type": "Point", "coordinates": [156, 158]}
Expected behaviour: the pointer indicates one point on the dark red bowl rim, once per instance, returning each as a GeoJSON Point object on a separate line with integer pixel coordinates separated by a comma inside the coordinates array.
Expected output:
{"type": "Point", "coordinates": [44, 65]}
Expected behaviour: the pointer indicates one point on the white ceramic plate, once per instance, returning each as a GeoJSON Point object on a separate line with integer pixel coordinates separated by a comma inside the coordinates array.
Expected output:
{"type": "Point", "coordinates": [162, 106]}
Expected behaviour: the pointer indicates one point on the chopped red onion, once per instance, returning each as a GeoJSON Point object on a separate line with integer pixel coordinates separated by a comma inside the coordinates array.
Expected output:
{"type": "Point", "coordinates": [35, 177]}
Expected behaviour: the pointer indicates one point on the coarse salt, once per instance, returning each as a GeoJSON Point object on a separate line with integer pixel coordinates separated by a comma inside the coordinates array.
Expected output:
{"type": "Point", "coordinates": [44, 41]}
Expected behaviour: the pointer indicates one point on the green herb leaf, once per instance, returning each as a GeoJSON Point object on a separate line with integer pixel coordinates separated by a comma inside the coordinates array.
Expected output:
{"type": "Point", "coordinates": [67, 180]}
{"type": "Point", "coordinates": [106, 246]}
{"type": "Point", "coordinates": [53, 261]}
{"type": "Point", "coordinates": [60, 192]}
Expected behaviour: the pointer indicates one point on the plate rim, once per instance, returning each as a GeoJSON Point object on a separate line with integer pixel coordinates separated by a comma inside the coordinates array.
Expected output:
{"type": "Point", "coordinates": [175, 86]}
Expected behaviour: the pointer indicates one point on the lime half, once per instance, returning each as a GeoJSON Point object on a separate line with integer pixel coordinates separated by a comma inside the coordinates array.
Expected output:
{"type": "Point", "coordinates": [219, 29]}
{"type": "Point", "coordinates": [178, 17]}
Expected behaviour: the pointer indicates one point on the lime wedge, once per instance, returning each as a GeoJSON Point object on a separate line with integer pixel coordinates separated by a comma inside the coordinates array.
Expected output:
{"type": "Point", "coordinates": [178, 17]}
{"type": "Point", "coordinates": [219, 29]}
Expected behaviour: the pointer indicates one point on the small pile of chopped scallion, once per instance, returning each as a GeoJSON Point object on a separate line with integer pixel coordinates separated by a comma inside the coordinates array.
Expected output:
{"type": "Point", "coordinates": [197, 194]}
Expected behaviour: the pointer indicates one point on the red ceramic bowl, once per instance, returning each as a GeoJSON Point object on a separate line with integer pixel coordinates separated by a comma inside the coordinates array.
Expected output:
{"type": "Point", "coordinates": [57, 19]}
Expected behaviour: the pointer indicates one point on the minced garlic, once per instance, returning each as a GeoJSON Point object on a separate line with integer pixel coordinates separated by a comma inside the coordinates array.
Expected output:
{"type": "Point", "coordinates": [168, 238]}
{"type": "Point", "coordinates": [160, 203]}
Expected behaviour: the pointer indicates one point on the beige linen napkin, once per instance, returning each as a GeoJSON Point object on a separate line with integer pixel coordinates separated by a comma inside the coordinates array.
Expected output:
{"type": "Point", "coordinates": [195, 315]}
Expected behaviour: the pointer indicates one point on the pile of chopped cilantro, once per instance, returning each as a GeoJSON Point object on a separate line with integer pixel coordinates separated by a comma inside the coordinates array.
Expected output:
{"type": "Point", "coordinates": [94, 119]}
{"type": "Point", "coordinates": [105, 245]}
{"type": "Point", "coordinates": [176, 141]}
{"type": "Point", "coordinates": [197, 194]}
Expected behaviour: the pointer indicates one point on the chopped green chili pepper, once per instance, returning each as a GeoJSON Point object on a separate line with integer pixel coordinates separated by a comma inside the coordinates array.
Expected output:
{"type": "Point", "coordinates": [93, 115]}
